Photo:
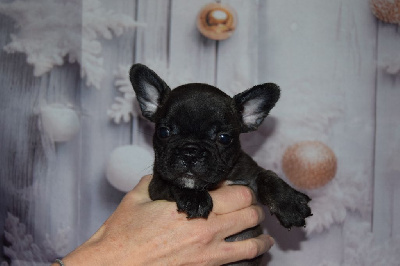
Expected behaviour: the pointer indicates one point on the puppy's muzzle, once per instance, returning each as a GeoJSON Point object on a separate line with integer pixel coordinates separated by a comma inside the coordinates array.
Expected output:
{"type": "Point", "coordinates": [190, 159]}
{"type": "Point", "coordinates": [191, 154]}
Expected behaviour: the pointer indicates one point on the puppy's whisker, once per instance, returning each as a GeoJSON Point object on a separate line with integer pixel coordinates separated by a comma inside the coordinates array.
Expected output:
{"type": "Point", "coordinates": [146, 169]}
{"type": "Point", "coordinates": [143, 132]}
{"type": "Point", "coordinates": [149, 167]}
{"type": "Point", "coordinates": [221, 170]}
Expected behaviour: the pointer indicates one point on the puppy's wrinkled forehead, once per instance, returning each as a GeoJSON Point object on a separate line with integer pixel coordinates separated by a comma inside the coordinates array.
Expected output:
{"type": "Point", "coordinates": [197, 106]}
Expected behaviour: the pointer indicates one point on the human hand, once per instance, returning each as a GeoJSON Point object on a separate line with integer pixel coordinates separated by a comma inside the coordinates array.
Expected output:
{"type": "Point", "coordinates": [146, 232]}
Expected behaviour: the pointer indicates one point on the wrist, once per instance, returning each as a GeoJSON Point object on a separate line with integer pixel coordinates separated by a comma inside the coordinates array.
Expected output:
{"type": "Point", "coordinates": [58, 262]}
{"type": "Point", "coordinates": [99, 250]}
{"type": "Point", "coordinates": [92, 252]}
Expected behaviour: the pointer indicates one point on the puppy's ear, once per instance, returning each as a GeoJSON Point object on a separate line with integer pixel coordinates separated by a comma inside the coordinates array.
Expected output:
{"type": "Point", "coordinates": [254, 104]}
{"type": "Point", "coordinates": [150, 89]}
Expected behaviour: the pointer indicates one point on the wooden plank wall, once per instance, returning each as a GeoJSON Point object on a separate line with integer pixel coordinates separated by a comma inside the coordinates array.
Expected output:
{"type": "Point", "coordinates": [387, 147]}
{"type": "Point", "coordinates": [336, 48]}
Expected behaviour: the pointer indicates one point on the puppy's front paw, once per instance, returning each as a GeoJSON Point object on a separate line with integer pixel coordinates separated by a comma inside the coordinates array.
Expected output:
{"type": "Point", "coordinates": [291, 209]}
{"type": "Point", "coordinates": [289, 205]}
{"type": "Point", "coordinates": [194, 203]}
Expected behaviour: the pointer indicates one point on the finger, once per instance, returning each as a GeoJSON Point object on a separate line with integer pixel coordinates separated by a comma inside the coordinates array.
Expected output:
{"type": "Point", "coordinates": [246, 249]}
{"type": "Point", "coordinates": [141, 191]}
{"type": "Point", "coordinates": [232, 198]}
{"type": "Point", "coordinates": [235, 222]}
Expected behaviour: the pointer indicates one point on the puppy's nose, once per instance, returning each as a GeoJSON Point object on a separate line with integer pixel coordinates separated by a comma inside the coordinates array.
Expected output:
{"type": "Point", "coordinates": [191, 151]}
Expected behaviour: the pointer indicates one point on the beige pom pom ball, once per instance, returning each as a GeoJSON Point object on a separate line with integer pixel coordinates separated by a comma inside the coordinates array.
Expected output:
{"type": "Point", "coordinates": [217, 21]}
{"type": "Point", "coordinates": [386, 10]}
{"type": "Point", "coordinates": [309, 164]}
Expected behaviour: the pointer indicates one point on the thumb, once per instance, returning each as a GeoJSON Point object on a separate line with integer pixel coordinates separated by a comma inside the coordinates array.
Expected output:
{"type": "Point", "coordinates": [141, 191]}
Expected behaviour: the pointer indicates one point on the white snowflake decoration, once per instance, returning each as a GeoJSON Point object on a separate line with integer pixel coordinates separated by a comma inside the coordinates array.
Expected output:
{"type": "Point", "coordinates": [125, 107]}
{"type": "Point", "coordinates": [331, 203]}
{"type": "Point", "coordinates": [22, 249]}
{"type": "Point", "coordinates": [50, 30]}
{"type": "Point", "coordinates": [362, 249]}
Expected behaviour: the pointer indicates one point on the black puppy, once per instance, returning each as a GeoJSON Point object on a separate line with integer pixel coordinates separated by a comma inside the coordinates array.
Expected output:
{"type": "Point", "coordinates": [196, 144]}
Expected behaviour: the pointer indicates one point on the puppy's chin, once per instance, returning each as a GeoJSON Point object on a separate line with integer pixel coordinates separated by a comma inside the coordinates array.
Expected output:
{"type": "Point", "coordinates": [187, 182]}
{"type": "Point", "coordinates": [191, 181]}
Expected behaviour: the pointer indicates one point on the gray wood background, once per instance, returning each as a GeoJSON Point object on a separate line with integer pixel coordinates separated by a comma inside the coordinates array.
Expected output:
{"type": "Point", "coordinates": [335, 48]}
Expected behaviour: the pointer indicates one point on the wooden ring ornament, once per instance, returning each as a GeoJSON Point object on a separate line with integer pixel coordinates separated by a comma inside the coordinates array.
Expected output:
{"type": "Point", "coordinates": [217, 21]}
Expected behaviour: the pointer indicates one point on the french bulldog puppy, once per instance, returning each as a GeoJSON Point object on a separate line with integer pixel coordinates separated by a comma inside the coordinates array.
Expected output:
{"type": "Point", "coordinates": [196, 145]}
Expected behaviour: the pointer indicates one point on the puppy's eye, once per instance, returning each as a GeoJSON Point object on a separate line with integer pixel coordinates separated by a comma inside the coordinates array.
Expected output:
{"type": "Point", "coordinates": [224, 139]}
{"type": "Point", "coordinates": [163, 132]}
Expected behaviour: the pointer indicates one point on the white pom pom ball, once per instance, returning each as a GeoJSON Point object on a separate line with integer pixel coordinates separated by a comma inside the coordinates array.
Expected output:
{"type": "Point", "coordinates": [126, 165]}
{"type": "Point", "coordinates": [59, 121]}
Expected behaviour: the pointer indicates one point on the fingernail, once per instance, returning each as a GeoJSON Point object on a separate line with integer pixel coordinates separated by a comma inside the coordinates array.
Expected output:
{"type": "Point", "coordinates": [272, 240]}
